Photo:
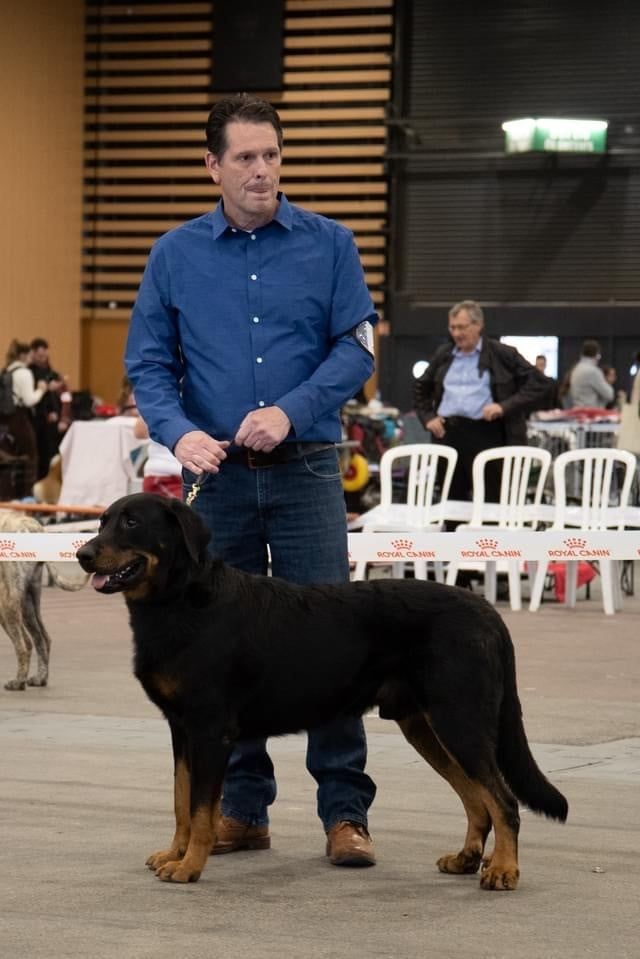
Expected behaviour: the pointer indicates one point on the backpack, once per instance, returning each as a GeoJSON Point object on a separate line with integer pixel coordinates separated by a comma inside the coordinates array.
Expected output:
{"type": "Point", "coordinates": [7, 402]}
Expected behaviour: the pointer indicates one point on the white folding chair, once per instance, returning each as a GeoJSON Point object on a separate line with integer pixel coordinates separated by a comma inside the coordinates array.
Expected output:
{"type": "Point", "coordinates": [602, 478]}
{"type": "Point", "coordinates": [524, 473]}
{"type": "Point", "coordinates": [417, 511]}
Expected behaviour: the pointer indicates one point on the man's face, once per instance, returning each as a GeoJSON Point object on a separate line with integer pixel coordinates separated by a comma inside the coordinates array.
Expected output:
{"type": "Point", "coordinates": [466, 334]}
{"type": "Point", "coordinates": [40, 356]}
{"type": "Point", "coordinates": [541, 363]}
{"type": "Point", "coordinates": [248, 173]}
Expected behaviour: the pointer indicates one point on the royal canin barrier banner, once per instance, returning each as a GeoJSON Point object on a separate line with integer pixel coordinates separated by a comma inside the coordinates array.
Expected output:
{"type": "Point", "coordinates": [467, 545]}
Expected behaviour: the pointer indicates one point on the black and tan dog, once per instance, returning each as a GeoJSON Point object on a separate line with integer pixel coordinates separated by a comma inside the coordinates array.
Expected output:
{"type": "Point", "coordinates": [228, 656]}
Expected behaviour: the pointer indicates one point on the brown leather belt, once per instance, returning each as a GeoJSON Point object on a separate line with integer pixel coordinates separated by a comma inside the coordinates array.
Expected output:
{"type": "Point", "coordinates": [285, 453]}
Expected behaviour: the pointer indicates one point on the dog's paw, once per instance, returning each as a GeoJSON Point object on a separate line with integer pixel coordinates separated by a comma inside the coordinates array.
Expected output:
{"type": "Point", "coordinates": [15, 684]}
{"type": "Point", "coordinates": [178, 871]}
{"type": "Point", "coordinates": [460, 864]}
{"type": "Point", "coordinates": [499, 877]}
{"type": "Point", "coordinates": [37, 681]}
{"type": "Point", "coordinates": [162, 857]}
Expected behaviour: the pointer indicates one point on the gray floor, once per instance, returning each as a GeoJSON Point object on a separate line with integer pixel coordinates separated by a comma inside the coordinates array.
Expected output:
{"type": "Point", "coordinates": [86, 796]}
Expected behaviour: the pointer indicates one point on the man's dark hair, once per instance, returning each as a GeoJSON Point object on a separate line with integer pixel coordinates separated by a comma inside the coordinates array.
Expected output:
{"type": "Point", "coordinates": [243, 108]}
{"type": "Point", "coordinates": [591, 348]}
{"type": "Point", "coordinates": [38, 344]}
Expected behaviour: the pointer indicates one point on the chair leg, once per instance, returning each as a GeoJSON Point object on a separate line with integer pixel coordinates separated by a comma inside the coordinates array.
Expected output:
{"type": "Point", "coordinates": [490, 583]}
{"type": "Point", "coordinates": [397, 570]}
{"type": "Point", "coordinates": [515, 591]}
{"type": "Point", "coordinates": [538, 586]}
{"type": "Point", "coordinates": [360, 571]}
{"type": "Point", "coordinates": [420, 568]}
{"type": "Point", "coordinates": [438, 569]}
{"type": "Point", "coordinates": [617, 583]}
{"type": "Point", "coordinates": [606, 581]}
{"type": "Point", "coordinates": [452, 573]}
{"type": "Point", "coordinates": [571, 586]}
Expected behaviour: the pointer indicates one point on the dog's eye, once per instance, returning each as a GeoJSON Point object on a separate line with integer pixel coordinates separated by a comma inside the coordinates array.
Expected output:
{"type": "Point", "coordinates": [129, 521]}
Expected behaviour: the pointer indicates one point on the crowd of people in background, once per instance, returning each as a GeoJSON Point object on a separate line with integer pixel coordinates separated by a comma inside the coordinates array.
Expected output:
{"type": "Point", "coordinates": [42, 409]}
{"type": "Point", "coordinates": [30, 432]}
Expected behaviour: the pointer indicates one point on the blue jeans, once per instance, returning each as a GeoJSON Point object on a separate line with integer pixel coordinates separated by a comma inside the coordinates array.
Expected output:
{"type": "Point", "coordinates": [298, 509]}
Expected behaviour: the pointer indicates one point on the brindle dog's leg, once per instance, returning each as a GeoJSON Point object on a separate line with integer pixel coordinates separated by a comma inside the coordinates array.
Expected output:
{"type": "Point", "coordinates": [419, 733]}
{"type": "Point", "coordinates": [208, 763]}
{"type": "Point", "coordinates": [19, 636]}
{"type": "Point", "coordinates": [181, 802]}
{"type": "Point", "coordinates": [36, 627]}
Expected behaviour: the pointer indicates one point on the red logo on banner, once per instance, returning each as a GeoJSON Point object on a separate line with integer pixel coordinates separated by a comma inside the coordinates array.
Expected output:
{"type": "Point", "coordinates": [575, 547]}
{"type": "Point", "coordinates": [488, 548]}
{"type": "Point", "coordinates": [403, 549]}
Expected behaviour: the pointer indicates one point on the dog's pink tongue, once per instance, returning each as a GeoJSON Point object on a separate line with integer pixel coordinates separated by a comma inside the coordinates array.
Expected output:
{"type": "Point", "coordinates": [98, 581]}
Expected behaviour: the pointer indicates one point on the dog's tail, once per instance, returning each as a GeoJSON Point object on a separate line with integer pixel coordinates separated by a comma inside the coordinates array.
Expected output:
{"type": "Point", "coordinates": [517, 765]}
{"type": "Point", "coordinates": [69, 584]}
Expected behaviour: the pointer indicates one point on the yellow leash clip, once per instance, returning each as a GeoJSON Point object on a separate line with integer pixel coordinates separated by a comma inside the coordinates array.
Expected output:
{"type": "Point", "coordinates": [195, 489]}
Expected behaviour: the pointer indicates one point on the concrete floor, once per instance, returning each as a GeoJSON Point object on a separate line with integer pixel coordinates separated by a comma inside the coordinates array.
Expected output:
{"type": "Point", "coordinates": [86, 795]}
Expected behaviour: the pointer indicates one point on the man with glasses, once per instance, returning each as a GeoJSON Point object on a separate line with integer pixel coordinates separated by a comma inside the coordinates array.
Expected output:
{"type": "Point", "coordinates": [476, 394]}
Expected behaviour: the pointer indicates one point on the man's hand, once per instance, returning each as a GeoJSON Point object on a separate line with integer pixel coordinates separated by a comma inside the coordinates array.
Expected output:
{"type": "Point", "coordinates": [436, 427]}
{"type": "Point", "coordinates": [263, 429]}
{"type": "Point", "coordinates": [492, 411]}
{"type": "Point", "coordinates": [199, 452]}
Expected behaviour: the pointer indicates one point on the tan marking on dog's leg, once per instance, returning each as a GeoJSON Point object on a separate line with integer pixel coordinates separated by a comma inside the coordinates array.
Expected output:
{"type": "Point", "coordinates": [418, 731]}
{"type": "Point", "coordinates": [201, 839]}
{"type": "Point", "coordinates": [181, 800]}
{"type": "Point", "coordinates": [500, 871]}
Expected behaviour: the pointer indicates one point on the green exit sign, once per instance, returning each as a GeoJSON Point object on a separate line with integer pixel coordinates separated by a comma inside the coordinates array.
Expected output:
{"type": "Point", "coordinates": [555, 135]}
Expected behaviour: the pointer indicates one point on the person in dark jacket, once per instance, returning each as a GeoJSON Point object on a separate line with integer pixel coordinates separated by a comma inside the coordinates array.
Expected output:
{"type": "Point", "coordinates": [476, 394]}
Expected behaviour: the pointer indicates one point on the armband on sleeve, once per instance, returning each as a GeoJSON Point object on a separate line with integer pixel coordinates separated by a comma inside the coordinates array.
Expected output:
{"type": "Point", "coordinates": [363, 335]}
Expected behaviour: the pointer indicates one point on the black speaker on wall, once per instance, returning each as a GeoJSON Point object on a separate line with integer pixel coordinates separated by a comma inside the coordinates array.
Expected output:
{"type": "Point", "coordinates": [248, 40]}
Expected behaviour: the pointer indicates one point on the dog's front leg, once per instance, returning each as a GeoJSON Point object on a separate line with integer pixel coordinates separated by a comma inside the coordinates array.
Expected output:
{"type": "Point", "coordinates": [208, 755]}
{"type": "Point", "coordinates": [181, 802]}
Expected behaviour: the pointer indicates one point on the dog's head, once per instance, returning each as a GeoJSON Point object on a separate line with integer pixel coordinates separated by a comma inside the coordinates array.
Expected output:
{"type": "Point", "coordinates": [146, 545]}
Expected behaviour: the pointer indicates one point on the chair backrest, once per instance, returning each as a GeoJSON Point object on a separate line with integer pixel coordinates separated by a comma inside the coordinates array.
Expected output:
{"type": "Point", "coordinates": [524, 472]}
{"type": "Point", "coordinates": [593, 480]}
{"type": "Point", "coordinates": [426, 468]}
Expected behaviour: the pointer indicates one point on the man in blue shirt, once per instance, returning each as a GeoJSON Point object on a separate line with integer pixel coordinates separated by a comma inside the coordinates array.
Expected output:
{"type": "Point", "coordinates": [251, 328]}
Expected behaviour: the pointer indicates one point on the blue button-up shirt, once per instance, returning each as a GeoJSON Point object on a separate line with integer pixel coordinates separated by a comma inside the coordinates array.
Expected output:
{"type": "Point", "coordinates": [466, 390]}
{"type": "Point", "coordinates": [228, 321]}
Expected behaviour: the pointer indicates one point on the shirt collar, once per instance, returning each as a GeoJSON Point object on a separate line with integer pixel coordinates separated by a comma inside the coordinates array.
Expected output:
{"type": "Point", "coordinates": [478, 349]}
{"type": "Point", "coordinates": [283, 216]}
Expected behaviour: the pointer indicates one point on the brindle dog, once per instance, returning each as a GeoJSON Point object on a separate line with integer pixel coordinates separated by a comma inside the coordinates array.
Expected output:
{"type": "Point", "coordinates": [229, 656]}
{"type": "Point", "coordinates": [20, 591]}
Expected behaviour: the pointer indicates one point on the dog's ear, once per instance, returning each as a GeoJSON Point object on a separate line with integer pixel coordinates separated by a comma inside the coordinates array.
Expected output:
{"type": "Point", "coordinates": [195, 533]}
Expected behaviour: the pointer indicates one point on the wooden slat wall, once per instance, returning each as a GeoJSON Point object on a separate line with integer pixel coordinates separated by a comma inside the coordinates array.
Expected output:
{"type": "Point", "coordinates": [148, 92]}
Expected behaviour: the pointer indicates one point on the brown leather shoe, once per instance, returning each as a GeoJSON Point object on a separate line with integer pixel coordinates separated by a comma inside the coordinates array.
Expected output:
{"type": "Point", "coordinates": [349, 844]}
{"type": "Point", "coordinates": [233, 836]}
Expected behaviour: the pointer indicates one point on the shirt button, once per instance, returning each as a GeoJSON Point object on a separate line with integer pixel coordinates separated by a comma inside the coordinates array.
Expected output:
{"type": "Point", "coordinates": [256, 319]}
{"type": "Point", "coordinates": [260, 402]}
{"type": "Point", "coordinates": [253, 236]}
{"type": "Point", "coordinates": [233, 229]}
{"type": "Point", "coordinates": [258, 359]}
{"type": "Point", "coordinates": [253, 276]}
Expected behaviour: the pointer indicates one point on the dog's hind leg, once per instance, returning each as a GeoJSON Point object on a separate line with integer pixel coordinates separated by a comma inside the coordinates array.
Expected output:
{"type": "Point", "coordinates": [480, 786]}
{"type": "Point", "coordinates": [37, 630]}
{"type": "Point", "coordinates": [417, 730]}
{"type": "Point", "coordinates": [19, 636]}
